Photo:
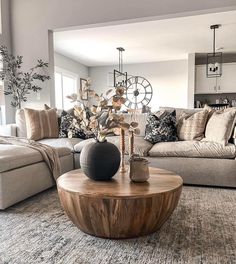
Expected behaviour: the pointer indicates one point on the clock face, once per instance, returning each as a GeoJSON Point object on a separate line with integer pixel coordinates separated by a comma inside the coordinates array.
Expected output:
{"type": "Point", "coordinates": [138, 92]}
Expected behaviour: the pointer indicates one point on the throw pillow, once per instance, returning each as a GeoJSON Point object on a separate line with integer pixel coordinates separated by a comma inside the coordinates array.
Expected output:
{"type": "Point", "coordinates": [220, 126]}
{"type": "Point", "coordinates": [161, 127]}
{"type": "Point", "coordinates": [70, 126]}
{"type": "Point", "coordinates": [192, 126]}
{"type": "Point", "coordinates": [41, 124]}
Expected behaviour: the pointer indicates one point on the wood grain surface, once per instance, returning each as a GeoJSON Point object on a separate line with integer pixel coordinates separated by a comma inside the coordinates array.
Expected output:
{"type": "Point", "coordinates": [119, 208]}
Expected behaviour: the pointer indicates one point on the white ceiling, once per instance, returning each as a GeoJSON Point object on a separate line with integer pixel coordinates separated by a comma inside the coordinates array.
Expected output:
{"type": "Point", "coordinates": [170, 39]}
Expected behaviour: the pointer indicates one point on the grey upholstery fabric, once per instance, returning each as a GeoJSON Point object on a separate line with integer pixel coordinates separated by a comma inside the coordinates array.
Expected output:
{"type": "Point", "coordinates": [191, 149]}
{"type": "Point", "coordinates": [21, 183]}
{"type": "Point", "coordinates": [212, 172]}
{"type": "Point", "coordinates": [12, 156]}
{"type": "Point", "coordinates": [180, 111]}
{"type": "Point", "coordinates": [61, 142]}
{"type": "Point", "coordinates": [141, 146]}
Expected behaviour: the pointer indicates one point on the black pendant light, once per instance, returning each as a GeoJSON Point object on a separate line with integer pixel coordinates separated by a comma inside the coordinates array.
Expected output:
{"type": "Point", "coordinates": [120, 77]}
{"type": "Point", "coordinates": [214, 59]}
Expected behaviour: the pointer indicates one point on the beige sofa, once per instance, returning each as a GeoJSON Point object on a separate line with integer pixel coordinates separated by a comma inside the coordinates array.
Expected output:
{"type": "Point", "coordinates": [23, 173]}
{"type": "Point", "coordinates": [198, 162]}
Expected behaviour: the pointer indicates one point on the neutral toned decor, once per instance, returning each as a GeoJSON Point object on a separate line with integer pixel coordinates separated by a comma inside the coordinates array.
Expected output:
{"type": "Point", "coordinates": [140, 96]}
{"type": "Point", "coordinates": [192, 126]}
{"type": "Point", "coordinates": [122, 150]}
{"type": "Point", "coordinates": [41, 123]}
{"type": "Point", "coordinates": [138, 169]}
{"type": "Point", "coordinates": [119, 208]}
{"type": "Point", "coordinates": [220, 125]}
{"type": "Point", "coordinates": [100, 160]}
{"type": "Point", "coordinates": [101, 118]}
{"type": "Point", "coordinates": [17, 83]}
{"type": "Point", "coordinates": [83, 89]}
{"type": "Point", "coordinates": [131, 143]}
{"type": "Point", "coordinates": [23, 172]}
{"type": "Point", "coordinates": [38, 231]}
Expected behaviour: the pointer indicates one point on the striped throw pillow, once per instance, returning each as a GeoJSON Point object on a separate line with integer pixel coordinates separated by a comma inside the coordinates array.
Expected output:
{"type": "Point", "coordinates": [192, 127]}
{"type": "Point", "coordinates": [41, 124]}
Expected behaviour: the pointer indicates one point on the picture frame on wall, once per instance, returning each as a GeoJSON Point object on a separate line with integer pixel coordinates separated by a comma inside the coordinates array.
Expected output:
{"type": "Point", "coordinates": [83, 86]}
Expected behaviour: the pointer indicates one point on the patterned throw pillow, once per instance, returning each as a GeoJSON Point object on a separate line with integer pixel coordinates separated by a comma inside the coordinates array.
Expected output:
{"type": "Point", "coordinates": [192, 126]}
{"type": "Point", "coordinates": [161, 127]}
{"type": "Point", "coordinates": [70, 127]}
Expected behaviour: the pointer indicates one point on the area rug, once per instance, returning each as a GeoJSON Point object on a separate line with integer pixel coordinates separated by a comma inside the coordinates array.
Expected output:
{"type": "Point", "coordinates": [202, 229]}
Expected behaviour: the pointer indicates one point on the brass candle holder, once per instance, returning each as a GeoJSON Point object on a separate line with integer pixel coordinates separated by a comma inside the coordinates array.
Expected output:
{"type": "Point", "coordinates": [131, 143]}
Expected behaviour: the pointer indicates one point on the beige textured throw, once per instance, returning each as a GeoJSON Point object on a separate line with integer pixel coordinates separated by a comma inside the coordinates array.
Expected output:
{"type": "Point", "coordinates": [49, 154]}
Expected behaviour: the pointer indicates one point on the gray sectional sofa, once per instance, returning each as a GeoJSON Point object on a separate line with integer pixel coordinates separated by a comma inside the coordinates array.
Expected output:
{"type": "Point", "coordinates": [23, 172]}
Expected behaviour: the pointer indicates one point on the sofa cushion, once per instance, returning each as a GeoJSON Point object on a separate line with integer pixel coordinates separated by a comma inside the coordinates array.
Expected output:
{"type": "Point", "coordinates": [220, 126]}
{"type": "Point", "coordinates": [70, 126]}
{"type": "Point", "coordinates": [193, 149]}
{"type": "Point", "coordinates": [13, 156]}
{"type": "Point", "coordinates": [161, 127]}
{"type": "Point", "coordinates": [41, 124]}
{"type": "Point", "coordinates": [192, 126]}
{"type": "Point", "coordinates": [180, 111]}
{"type": "Point", "coordinates": [141, 146]}
{"type": "Point", "coordinates": [61, 142]}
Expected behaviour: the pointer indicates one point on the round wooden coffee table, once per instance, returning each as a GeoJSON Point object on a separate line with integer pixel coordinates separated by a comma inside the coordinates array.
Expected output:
{"type": "Point", "coordinates": [119, 208]}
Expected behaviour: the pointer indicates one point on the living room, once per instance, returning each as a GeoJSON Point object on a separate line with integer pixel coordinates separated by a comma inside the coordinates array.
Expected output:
{"type": "Point", "coordinates": [117, 131]}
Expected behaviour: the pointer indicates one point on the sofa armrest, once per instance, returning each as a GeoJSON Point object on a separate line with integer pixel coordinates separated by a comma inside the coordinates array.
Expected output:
{"type": "Point", "coordinates": [8, 130]}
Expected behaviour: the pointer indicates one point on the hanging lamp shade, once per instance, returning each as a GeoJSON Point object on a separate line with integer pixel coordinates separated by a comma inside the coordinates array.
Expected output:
{"type": "Point", "coordinates": [214, 59]}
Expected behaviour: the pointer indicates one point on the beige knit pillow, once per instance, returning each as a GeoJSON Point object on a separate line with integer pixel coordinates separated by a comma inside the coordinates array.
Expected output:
{"type": "Point", "coordinates": [192, 126]}
{"type": "Point", "coordinates": [220, 126]}
{"type": "Point", "coordinates": [41, 124]}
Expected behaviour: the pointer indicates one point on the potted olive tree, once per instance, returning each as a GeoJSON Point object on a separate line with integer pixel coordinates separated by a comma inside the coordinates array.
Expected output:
{"type": "Point", "coordinates": [17, 83]}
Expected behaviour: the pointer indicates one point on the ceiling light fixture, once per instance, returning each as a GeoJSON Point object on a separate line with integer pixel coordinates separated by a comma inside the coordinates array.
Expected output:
{"type": "Point", "coordinates": [214, 59]}
{"type": "Point", "coordinates": [120, 77]}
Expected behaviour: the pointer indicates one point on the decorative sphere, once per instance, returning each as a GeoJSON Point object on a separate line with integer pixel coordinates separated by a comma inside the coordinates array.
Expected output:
{"type": "Point", "coordinates": [100, 160]}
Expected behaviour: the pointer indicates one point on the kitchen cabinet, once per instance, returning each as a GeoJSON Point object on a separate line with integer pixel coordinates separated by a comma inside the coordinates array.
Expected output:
{"type": "Point", "coordinates": [224, 84]}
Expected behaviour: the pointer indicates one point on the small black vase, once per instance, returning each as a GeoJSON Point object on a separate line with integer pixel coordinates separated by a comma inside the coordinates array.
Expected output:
{"type": "Point", "coordinates": [100, 160]}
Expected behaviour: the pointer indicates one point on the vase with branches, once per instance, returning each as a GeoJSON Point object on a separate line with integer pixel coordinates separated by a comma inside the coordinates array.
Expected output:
{"type": "Point", "coordinates": [18, 83]}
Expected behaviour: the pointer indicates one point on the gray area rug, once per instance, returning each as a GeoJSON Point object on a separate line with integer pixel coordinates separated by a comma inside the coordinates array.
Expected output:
{"type": "Point", "coordinates": [201, 230]}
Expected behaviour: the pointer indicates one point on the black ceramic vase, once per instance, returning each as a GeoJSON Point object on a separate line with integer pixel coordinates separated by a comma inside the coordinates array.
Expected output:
{"type": "Point", "coordinates": [100, 160]}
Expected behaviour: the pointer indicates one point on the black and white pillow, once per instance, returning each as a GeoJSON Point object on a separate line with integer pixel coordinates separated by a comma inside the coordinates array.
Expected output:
{"type": "Point", "coordinates": [70, 127]}
{"type": "Point", "coordinates": [161, 128]}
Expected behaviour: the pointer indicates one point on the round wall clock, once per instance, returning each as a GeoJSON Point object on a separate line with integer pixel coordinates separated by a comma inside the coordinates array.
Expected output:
{"type": "Point", "coordinates": [138, 92]}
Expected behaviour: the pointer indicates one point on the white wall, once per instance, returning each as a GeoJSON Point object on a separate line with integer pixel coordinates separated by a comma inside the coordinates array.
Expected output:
{"type": "Point", "coordinates": [6, 40]}
{"type": "Point", "coordinates": [33, 20]}
{"type": "Point", "coordinates": [72, 66]}
{"type": "Point", "coordinates": [168, 79]}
